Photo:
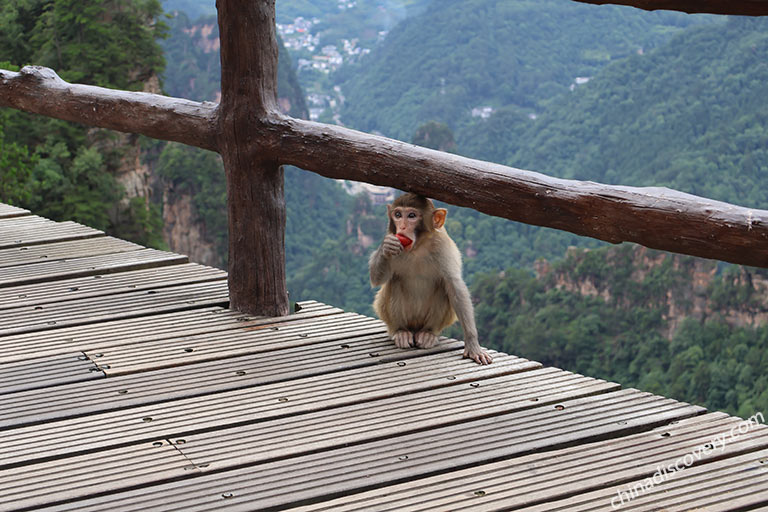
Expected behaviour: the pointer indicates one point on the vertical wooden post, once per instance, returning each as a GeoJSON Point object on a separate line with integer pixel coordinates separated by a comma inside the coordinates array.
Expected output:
{"type": "Point", "coordinates": [255, 195]}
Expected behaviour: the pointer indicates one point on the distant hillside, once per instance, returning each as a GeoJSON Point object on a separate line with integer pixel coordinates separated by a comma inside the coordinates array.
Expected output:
{"type": "Point", "coordinates": [464, 54]}
{"type": "Point", "coordinates": [691, 115]}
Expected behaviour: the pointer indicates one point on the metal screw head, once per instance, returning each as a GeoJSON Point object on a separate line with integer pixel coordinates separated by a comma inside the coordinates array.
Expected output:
{"type": "Point", "coordinates": [146, 419]}
{"type": "Point", "coordinates": [227, 495]}
{"type": "Point", "coordinates": [240, 373]}
{"type": "Point", "coordinates": [401, 363]}
{"type": "Point", "coordinates": [479, 493]}
{"type": "Point", "coordinates": [282, 399]}
{"type": "Point", "coordinates": [559, 407]}
{"type": "Point", "coordinates": [475, 384]}
{"type": "Point", "coordinates": [402, 457]}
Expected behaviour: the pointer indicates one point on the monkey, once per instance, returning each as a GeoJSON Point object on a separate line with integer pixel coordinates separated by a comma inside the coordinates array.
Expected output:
{"type": "Point", "coordinates": [418, 267]}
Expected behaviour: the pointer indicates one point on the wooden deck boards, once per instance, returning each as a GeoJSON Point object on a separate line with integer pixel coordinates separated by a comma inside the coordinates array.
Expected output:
{"type": "Point", "coordinates": [126, 384]}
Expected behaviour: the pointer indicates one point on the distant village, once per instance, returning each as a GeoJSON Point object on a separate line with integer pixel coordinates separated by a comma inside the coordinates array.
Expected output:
{"type": "Point", "coordinates": [298, 38]}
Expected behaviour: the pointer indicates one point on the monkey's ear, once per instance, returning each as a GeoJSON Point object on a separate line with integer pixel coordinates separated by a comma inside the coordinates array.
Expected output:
{"type": "Point", "coordinates": [438, 217]}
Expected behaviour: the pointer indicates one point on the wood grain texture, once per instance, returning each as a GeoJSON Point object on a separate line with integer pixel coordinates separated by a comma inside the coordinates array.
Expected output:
{"type": "Point", "coordinates": [255, 194]}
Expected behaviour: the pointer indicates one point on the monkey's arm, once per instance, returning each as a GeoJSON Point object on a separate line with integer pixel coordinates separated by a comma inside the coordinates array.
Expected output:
{"type": "Point", "coordinates": [458, 296]}
{"type": "Point", "coordinates": [378, 265]}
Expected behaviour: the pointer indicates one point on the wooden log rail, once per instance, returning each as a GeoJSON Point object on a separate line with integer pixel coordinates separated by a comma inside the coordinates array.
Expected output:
{"type": "Point", "coordinates": [741, 7]}
{"type": "Point", "coordinates": [255, 140]}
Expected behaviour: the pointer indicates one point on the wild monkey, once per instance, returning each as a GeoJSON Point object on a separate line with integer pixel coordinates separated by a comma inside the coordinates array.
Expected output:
{"type": "Point", "coordinates": [418, 267]}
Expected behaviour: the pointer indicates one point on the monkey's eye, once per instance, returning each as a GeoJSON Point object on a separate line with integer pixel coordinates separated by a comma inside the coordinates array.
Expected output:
{"type": "Point", "coordinates": [411, 215]}
{"type": "Point", "coordinates": [398, 215]}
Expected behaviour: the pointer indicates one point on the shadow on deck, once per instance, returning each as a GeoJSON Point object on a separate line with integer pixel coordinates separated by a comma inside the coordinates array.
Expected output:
{"type": "Point", "coordinates": [127, 384]}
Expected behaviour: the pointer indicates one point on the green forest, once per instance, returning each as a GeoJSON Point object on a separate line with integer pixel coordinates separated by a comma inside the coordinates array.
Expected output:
{"type": "Point", "coordinates": [65, 171]}
{"type": "Point", "coordinates": [666, 100]}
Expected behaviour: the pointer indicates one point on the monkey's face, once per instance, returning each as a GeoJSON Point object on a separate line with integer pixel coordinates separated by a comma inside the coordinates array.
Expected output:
{"type": "Point", "coordinates": [407, 222]}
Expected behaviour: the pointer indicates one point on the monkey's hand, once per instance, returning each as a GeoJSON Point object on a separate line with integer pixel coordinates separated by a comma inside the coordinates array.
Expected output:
{"type": "Point", "coordinates": [391, 246]}
{"type": "Point", "coordinates": [478, 354]}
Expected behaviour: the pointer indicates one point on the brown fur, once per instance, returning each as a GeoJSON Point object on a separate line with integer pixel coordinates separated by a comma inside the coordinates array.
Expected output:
{"type": "Point", "coordinates": [414, 299]}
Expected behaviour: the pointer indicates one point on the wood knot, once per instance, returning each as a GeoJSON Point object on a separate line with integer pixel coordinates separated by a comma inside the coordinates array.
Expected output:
{"type": "Point", "coordinates": [40, 73]}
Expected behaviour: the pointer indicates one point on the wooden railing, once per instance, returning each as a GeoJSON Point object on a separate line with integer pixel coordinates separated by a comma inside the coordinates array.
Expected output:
{"type": "Point", "coordinates": [255, 140]}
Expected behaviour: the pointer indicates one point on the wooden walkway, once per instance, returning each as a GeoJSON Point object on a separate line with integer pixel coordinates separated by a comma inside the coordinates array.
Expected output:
{"type": "Point", "coordinates": [127, 385]}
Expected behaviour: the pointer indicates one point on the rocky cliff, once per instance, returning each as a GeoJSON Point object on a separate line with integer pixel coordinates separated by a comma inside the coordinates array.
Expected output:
{"type": "Point", "coordinates": [680, 286]}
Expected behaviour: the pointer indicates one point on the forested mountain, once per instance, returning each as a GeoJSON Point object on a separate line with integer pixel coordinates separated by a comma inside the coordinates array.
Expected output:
{"type": "Point", "coordinates": [66, 171]}
{"type": "Point", "coordinates": [464, 54]}
{"type": "Point", "coordinates": [691, 115]}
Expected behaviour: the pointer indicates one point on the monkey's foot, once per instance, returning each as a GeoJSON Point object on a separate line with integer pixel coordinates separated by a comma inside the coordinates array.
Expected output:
{"type": "Point", "coordinates": [425, 339]}
{"type": "Point", "coordinates": [403, 339]}
{"type": "Point", "coordinates": [479, 355]}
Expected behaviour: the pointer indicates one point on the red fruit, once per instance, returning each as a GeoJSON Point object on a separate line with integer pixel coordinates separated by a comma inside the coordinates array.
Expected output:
{"type": "Point", "coordinates": [404, 240]}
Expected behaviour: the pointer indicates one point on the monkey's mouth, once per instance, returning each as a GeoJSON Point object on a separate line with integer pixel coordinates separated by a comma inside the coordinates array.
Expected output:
{"type": "Point", "coordinates": [404, 240]}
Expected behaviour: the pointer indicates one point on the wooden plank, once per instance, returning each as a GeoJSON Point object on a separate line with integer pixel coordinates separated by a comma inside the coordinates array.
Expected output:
{"type": "Point", "coordinates": [409, 455]}
{"type": "Point", "coordinates": [14, 233]}
{"type": "Point", "coordinates": [101, 284]}
{"type": "Point", "coordinates": [456, 412]}
{"type": "Point", "coordinates": [46, 371]}
{"type": "Point", "coordinates": [127, 305]}
{"type": "Point", "coordinates": [65, 250]}
{"type": "Point", "coordinates": [168, 384]}
{"type": "Point", "coordinates": [736, 483]}
{"type": "Point", "coordinates": [8, 211]}
{"type": "Point", "coordinates": [34, 487]}
{"type": "Point", "coordinates": [296, 399]}
{"type": "Point", "coordinates": [17, 223]}
{"type": "Point", "coordinates": [97, 265]}
{"type": "Point", "coordinates": [119, 360]}
{"type": "Point", "coordinates": [524, 481]}
{"type": "Point", "coordinates": [160, 326]}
